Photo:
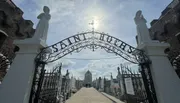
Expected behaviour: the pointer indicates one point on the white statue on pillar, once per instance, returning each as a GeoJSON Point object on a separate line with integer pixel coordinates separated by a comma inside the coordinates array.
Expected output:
{"type": "Point", "coordinates": [43, 25]}
{"type": "Point", "coordinates": [165, 80]}
{"type": "Point", "coordinates": [139, 18]}
{"type": "Point", "coordinates": [142, 29]}
{"type": "Point", "coordinates": [24, 63]}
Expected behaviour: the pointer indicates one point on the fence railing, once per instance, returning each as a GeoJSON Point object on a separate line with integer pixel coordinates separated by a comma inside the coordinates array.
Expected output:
{"type": "Point", "coordinates": [131, 86]}
{"type": "Point", "coordinates": [137, 93]}
{"type": "Point", "coordinates": [50, 86]}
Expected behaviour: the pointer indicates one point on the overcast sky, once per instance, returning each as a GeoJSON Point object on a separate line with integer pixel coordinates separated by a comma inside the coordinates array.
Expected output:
{"type": "Point", "coordinates": [114, 17]}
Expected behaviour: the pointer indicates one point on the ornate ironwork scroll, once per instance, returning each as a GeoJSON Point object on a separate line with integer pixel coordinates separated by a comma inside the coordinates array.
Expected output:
{"type": "Point", "coordinates": [92, 40]}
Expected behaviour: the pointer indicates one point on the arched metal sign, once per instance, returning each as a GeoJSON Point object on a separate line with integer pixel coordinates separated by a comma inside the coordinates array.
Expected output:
{"type": "Point", "coordinates": [92, 40]}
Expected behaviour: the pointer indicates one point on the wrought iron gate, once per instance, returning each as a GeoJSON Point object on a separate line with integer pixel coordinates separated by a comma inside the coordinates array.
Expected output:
{"type": "Point", "coordinates": [46, 85]}
{"type": "Point", "coordinates": [148, 82]}
{"type": "Point", "coordinates": [142, 83]}
{"type": "Point", "coordinates": [92, 40]}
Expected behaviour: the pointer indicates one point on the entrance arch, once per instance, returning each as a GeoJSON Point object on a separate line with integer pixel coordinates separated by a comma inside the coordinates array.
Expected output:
{"type": "Point", "coordinates": [93, 40]}
{"type": "Point", "coordinates": [166, 83]}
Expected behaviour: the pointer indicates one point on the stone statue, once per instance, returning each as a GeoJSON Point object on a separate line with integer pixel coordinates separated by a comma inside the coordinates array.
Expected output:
{"type": "Point", "coordinates": [142, 29]}
{"type": "Point", "coordinates": [139, 18]}
{"type": "Point", "coordinates": [43, 25]}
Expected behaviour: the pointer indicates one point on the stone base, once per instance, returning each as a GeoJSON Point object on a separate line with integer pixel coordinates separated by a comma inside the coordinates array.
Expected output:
{"type": "Point", "coordinates": [31, 41]}
{"type": "Point", "coordinates": [16, 86]}
{"type": "Point", "coordinates": [166, 81]}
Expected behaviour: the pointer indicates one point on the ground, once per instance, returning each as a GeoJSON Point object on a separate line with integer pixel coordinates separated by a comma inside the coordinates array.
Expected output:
{"type": "Point", "coordinates": [89, 95]}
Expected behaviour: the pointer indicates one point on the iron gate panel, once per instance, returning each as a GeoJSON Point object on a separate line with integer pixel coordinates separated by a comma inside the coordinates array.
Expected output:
{"type": "Point", "coordinates": [142, 84]}
{"type": "Point", "coordinates": [45, 87]}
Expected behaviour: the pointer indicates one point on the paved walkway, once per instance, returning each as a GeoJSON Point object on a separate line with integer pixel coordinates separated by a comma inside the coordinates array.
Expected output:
{"type": "Point", "coordinates": [88, 95]}
{"type": "Point", "coordinates": [112, 98]}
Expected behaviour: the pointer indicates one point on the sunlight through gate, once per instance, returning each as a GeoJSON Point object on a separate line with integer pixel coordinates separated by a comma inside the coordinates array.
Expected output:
{"type": "Point", "coordinates": [92, 40]}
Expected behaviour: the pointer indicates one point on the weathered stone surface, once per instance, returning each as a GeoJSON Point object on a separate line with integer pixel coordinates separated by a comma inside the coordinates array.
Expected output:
{"type": "Point", "coordinates": [12, 22]}
{"type": "Point", "coordinates": [166, 29]}
{"type": "Point", "coordinates": [12, 26]}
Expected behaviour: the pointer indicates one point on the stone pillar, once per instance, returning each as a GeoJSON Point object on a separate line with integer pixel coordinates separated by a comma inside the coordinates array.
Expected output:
{"type": "Point", "coordinates": [166, 81]}
{"type": "Point", "coordinates": [16, 86]}
{"type": "Point", "coordinates": [17, 83]}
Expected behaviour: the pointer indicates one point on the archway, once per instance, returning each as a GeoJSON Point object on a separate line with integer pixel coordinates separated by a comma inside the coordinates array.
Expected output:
{"type": "Point", "coordinates": [31, 79]}
{"type": "Point", "coordinates": [93, 40]}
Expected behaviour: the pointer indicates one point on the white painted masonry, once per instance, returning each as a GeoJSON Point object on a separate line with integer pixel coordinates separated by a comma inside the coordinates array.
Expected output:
{"type": "Point", "coordinates": [16, 86]}
{"type": "Point", "coordinates": [166, 81]}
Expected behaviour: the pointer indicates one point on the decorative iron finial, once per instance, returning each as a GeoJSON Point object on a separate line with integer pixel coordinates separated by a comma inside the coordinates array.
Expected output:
{"type": "Point", "coordinates": [60, 67]}
{"type": "Point", "coordinates": [118, 69]}
{"type": "Point", "coordinates": [92, 24]}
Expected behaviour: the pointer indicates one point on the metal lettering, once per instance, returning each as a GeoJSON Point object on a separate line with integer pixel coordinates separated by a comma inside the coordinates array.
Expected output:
{"type": "Point", "coordinates": [84, 36]}
{"type": "Point", "coordinates": [130, 49]}
{"type": "Point", "coordinates": [109, 39]}
{"type": "Point", "coordinates": [76, 38]}
{"type": "Point", "coordinates": [55, 48]}
{"type": "Point", "coordinates": [123, 46]}
{"type": "Point", "coordinates": [101, 37]}
{"type": "Point", "coordinates": [63, 45]}
{"type": "Point", "coordinates": [115, 42]}
{"type": "Point", "coordinates": [69, 41]}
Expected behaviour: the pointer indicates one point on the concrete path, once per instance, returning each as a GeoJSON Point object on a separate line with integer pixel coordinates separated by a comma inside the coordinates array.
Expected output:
{"type": "Point", "coordinates": [112, 98]}
{"type": "Point", "coordinates": [88, 95]}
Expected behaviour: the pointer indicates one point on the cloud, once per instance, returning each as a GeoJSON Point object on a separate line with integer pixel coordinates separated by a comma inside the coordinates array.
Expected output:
{"type": "Point", "coordinates": [66, 64]}
{"type": "Point", "coordinates": [101, 68]}
{"type": "Point", "coordinates": [18, 2]}
{"type": "Point", "coordinates": [58, 8]}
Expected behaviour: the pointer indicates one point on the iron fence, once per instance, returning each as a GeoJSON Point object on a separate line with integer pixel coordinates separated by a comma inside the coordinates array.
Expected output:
{"type": "Point", "coordinates": [49, 86]}
{"type": "Point", "coordinates": [46, 85]}
{"type": "Point", "coordinates": [137, 94]}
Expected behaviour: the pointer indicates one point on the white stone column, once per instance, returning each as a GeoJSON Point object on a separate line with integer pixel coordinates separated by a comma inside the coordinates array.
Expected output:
{"type": "Point", "coordinates": [166, 81]}
{"type": "Point", "coordinates": [16, 86]}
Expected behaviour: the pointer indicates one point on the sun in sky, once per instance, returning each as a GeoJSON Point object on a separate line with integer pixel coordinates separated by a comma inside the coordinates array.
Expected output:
{"type": "Point", "coordinates": [96, 22]}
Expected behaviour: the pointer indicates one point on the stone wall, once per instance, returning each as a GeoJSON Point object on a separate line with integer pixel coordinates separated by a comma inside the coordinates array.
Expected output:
{"type": "Point", "coordinates": [166, 29]}
{"type": "Point", "coordinates": [12, 22]}
{"type": "Point", "coordinates": [14, 26]}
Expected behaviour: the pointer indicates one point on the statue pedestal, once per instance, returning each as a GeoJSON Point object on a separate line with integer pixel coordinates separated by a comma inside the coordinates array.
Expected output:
{"type": "Point", "coordinates": [16, 86]}
{"type": "Point", "coordinates": [166, 81]}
